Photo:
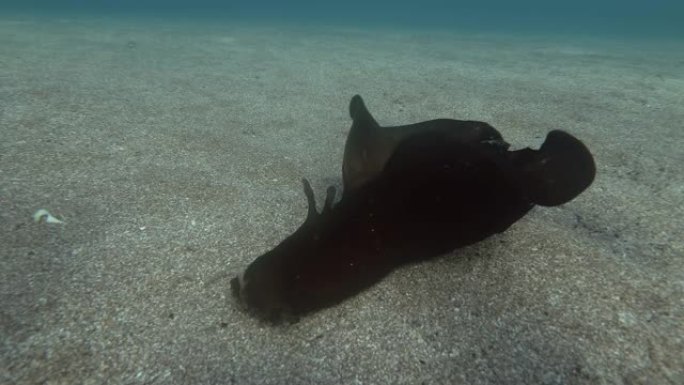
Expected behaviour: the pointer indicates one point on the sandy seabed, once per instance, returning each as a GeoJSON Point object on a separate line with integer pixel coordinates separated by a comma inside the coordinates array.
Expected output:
{"type": "Point", "coordinates": [173, 152]}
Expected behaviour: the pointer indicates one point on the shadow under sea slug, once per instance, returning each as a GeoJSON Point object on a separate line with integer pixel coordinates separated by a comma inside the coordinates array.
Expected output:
{"type": "Point", "coordinates": [437, 190]}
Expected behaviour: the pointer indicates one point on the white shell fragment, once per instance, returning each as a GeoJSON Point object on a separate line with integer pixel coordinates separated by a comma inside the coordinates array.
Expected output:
{"type": "Point", "coordinates": [42, 213]}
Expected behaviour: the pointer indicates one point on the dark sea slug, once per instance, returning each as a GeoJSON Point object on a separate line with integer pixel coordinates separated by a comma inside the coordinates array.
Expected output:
{"type": "Point", "coordinates": [439, 189]}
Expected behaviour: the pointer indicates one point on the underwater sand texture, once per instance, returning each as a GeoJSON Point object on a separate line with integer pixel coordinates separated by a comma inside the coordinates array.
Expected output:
{"type": "Point", "coordinates": [173, 152]}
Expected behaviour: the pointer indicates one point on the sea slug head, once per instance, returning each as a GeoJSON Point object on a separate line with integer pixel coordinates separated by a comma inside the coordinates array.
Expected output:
{"type": "Point", "coordinates": [265, 289]}
{"type": "Point", "coordinates": [261, 287]}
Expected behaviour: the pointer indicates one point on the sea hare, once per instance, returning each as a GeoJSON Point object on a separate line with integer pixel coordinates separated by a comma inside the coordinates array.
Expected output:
{"type": "Point", "coordinates": [434, 187]}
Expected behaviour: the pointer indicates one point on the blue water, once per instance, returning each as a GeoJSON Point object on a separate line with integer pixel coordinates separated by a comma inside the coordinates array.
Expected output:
{"type": "Point", "coordinates": [655, 18]}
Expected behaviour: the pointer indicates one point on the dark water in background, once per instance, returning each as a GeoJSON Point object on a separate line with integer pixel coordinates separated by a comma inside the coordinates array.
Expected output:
{"type": "Point", "coordinates": [629, 18]}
